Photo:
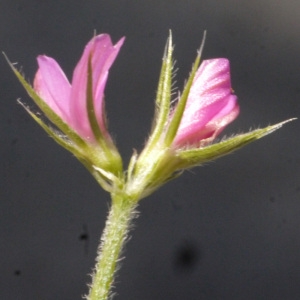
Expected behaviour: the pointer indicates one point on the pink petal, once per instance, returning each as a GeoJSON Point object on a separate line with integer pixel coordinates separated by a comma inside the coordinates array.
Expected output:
{"type": "Point", "coordinates": [52, 86]}
{"type": "Point", "coordinates": [214, 127]}
{"type": "Point", "coordinates": [226, 115]}
{"type": "Point", "coordinates": [103, 54]}
{"type": "Point", "coordinates": [210, 105]}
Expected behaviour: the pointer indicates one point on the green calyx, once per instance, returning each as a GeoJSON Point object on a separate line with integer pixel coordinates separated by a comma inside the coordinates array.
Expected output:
{"type": "Point", "coordinates": [157, 162]}
{"type": "Point", "coordinates": [165, 164]}
{"type": "Point", "coordinates": [160, 162]}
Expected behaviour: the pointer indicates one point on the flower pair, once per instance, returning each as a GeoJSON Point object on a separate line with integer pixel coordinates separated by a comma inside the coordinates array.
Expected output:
{"type": "Point", "coordinates": [182, 135]}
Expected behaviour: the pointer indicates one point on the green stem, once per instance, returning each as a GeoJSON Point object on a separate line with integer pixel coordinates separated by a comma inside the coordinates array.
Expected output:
{"type": "Point", "coordinates": [112, 242]}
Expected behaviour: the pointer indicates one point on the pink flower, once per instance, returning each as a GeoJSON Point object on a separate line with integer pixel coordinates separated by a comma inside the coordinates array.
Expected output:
{"type": "Point", "coordinates": [69, 101]}
{"type": "Point", "coordinates": [210, 106]}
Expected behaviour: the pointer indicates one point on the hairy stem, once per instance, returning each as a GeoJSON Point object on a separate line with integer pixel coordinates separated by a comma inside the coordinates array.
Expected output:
{"type": "Point", "coordinates": [112, 241]}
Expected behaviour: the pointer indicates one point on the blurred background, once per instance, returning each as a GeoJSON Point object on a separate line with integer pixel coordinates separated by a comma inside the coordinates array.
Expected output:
{"type": "Point", "coordinates": [227, 230]}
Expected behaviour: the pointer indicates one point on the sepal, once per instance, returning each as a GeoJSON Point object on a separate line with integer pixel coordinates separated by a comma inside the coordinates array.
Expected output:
{"type": "Point", "coordinates": [58, 137]}
{"type": "Point", "coordinates": [163, 99]}
{"type": "Point", "coordinates": [196, 156]}
{"type": "Point", "coordinates": [180, 107]}
{"type": "Point", "coordinates": [48, 112]}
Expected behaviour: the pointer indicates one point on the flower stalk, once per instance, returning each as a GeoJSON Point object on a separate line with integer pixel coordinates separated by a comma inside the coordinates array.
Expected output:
{"type": "Point", "coordinates": [115, 234]}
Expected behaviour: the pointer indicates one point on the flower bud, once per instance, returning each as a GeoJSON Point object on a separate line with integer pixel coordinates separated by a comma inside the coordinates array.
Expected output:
{"type": "Point", "coordinates": [210, 105]}
{"type": "Point", "coordinates": [76, 109]}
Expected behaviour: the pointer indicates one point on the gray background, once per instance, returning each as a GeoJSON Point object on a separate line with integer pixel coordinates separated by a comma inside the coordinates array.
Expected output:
{"type": "Point", "coordinates": [228, 230]}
